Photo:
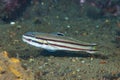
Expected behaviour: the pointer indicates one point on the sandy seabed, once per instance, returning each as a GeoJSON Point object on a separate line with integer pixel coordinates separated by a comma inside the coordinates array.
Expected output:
{"type": "Point", "coordinates": [63, 65]}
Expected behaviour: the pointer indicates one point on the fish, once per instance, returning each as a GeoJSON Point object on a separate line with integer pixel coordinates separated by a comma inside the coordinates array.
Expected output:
{"type": "Point", "coordinates": [58, 41]}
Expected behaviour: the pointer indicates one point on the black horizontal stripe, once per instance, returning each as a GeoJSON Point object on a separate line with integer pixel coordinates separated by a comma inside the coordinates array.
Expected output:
{"type": "Point", "coordinates": [62, 46]}
{"type": "Point", "coordinates": [64, 41]}
{"type": "Point", "coordinates": [33, 41]}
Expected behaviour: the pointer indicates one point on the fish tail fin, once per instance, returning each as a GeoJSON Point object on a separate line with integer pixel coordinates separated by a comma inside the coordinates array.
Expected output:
{"type": "Point", "coordinates": [93, 49]}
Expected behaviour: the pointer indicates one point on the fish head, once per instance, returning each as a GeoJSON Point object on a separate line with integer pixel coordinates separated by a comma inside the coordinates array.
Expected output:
{"type": "Point", "coordinates": [30, 38]}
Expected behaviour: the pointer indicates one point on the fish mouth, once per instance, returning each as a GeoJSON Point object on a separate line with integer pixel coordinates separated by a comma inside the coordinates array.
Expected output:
{"type": "Point", "coordinates": [30, 40]}
{"type": "Point", "coordinates": [26, 39]}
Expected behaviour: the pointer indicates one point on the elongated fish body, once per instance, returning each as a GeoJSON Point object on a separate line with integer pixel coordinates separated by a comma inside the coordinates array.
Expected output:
{"type": "Point", "coordinates": [54, 42]}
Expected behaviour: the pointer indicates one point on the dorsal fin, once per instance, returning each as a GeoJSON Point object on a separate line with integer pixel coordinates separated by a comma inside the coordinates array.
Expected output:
{"type": "Point", "coordinates": [58, 34]}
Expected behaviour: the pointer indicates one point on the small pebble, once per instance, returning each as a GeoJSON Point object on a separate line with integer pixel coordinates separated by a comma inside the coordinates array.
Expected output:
{"type": "Point", "coordinates": [77, 32]}
{"type": "Point", "coordinates": [40, 67]}
{"type": "Point", "coordinates": [91, 59]}
{"type": "Point", "coordinates": [66, 18]}
{"type": "Point", "coordinates": [73, 60]}
{"type": "Point", "coordinates": [107, 21]}
{"type": "Point", "coordinates": [57, 17]}
{"type": "Point", "coordinates": [46, 63]}
{"type": "Point", "coordinates": [31, 60]}
{"type": "Point", "coordinates": [78, 70]}
{"type": "Point", "coordinates": [42, 3]}
{"type": "Point", "coordinates": [73, 72]}
{"type": "Point", "coordinates": [12, 23]}
{"type": "Point", "coordinates": [82, 61]}
{"type": "Point", "coordinates": [97, 26]}
{"type": "Point", "coordinates": [68, 26]}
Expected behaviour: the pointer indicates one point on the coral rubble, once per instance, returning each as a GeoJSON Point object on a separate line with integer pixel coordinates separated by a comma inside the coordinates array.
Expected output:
{"type": "Point", "coordinates": [11, 69]}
